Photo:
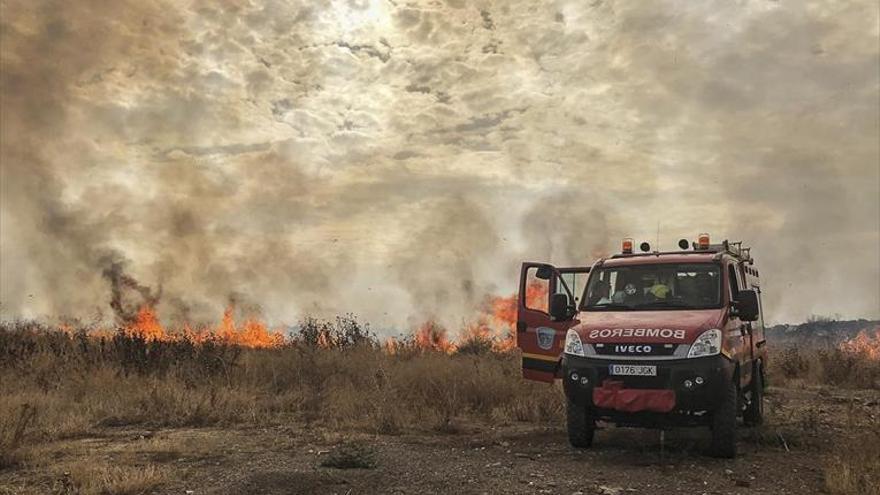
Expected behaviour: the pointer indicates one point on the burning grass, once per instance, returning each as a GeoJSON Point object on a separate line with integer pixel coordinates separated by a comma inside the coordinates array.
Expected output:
{"type": "Point", "coordinates": [853, 466]}
{"type": "Point", "coordinates": [145, 325]}
{"type": "Point", "coordinates": [62, 384]}
{"type": "Point", "coordinates": [855, 363]}
{"type": "Point", "coordinates": [865, 344]}
{"type": "Point", "coordinates": [493, 329]}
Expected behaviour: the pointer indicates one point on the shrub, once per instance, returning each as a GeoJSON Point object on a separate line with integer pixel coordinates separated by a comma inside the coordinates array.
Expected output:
{"type": "Point", "coordinates": [345, 331]}
{"type": "Point", "coordinates": [350, 456]}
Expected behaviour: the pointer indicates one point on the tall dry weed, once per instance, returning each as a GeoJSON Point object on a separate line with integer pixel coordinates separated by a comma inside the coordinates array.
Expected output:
{"type": "Point", "coordinates": [826, 366]}
{"type": "Point", "coordinates": [854, 467]}
{"type": "Point", "coordinates": [335, 374]}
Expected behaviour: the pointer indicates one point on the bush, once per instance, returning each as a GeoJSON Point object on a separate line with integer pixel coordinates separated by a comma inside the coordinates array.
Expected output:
{"type": "Point", "coordinates": [344, 332]}
{"type": "Point", "coordinates": [350, 456]}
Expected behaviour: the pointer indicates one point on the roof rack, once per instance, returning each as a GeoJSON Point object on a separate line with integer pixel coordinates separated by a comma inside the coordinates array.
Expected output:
{"type": "Point", "coordinates": [660, 253]}
{"type": "Point", "coordinates": [734, 249]}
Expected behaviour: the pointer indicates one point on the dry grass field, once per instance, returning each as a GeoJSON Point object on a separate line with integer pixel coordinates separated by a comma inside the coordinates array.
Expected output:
{"type": "Point", "coordinates": [333, 411]}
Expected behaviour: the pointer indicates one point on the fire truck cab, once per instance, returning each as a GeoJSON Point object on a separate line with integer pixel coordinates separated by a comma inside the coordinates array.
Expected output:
{"type": "Point", "coordinates": [651, 339]}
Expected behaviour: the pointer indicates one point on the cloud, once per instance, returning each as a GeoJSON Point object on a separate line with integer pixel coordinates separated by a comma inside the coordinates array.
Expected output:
{"type": "Point", "coordinates": [400, 161]}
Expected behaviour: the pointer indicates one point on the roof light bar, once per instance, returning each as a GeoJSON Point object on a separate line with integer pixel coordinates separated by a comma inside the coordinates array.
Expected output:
{"type": "Point", "coordinates": [703, 241]}
{"type": "Point", "coordinates": [627, 247]}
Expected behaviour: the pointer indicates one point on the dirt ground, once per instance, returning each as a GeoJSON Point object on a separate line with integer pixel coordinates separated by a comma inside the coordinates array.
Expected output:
{"type": "Point", "coordinates": [786, 455]}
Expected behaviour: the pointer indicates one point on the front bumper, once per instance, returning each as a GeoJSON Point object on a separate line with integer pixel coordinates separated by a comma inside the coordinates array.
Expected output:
{"type": "Point", "coordinates": [689, 403]}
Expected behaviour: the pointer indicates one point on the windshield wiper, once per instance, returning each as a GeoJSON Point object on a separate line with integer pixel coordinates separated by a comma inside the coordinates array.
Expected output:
{"type": "Point", "coordinates": [663, 304]}
{"type": "Point", "coordinates": [609, 306]}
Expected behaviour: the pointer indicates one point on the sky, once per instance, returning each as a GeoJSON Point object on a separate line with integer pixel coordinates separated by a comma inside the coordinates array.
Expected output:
{"type": "Point", "coordinates": [399, 160]}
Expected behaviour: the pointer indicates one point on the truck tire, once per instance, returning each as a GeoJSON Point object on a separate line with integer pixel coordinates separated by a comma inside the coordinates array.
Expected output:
{"type": "Point", "coordinates": [754, 413]}
{"type": "Point", "coordinates": [580, 425]}
{"type": "Point", "coordinates": [724, 424]}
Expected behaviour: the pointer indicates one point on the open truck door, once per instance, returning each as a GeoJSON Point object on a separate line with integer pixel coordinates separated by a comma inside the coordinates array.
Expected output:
{"type": "Point", "coordinates": [546, 309]}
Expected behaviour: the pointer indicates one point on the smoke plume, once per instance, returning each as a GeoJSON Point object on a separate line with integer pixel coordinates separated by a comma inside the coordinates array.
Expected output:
{"type": "Point", "coordinates": [399, 160]}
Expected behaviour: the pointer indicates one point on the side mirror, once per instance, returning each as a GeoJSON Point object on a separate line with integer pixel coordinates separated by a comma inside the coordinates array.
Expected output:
{"type": "Point", "coordinates": [544, 273]}
{"type": "Point", "coordinates": [560, 307]}
{"type": "Point", "coordinates": [746, 305]}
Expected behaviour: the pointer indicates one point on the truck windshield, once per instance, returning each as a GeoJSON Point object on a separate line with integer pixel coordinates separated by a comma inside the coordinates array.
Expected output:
{"type": "Point", "coordinates": [653, 287]}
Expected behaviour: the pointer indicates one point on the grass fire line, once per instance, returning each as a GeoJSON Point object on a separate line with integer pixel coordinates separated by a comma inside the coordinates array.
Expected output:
{"type": "Point", "coordinates": [494, 328]}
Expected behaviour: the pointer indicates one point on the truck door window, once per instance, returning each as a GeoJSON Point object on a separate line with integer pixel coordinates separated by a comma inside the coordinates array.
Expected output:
{"type": "Point", "coordinates": [575, 281]}
{"type": "Point", "coordinates": [537, 291]}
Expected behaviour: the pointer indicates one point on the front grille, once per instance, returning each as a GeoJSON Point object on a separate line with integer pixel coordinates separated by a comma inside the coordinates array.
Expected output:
{"type": "Point", "coordinates": [634, 349]}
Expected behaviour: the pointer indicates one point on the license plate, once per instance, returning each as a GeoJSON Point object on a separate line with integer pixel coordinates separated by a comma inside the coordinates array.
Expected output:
{"type": "Point", "coordinates": [632, 370]}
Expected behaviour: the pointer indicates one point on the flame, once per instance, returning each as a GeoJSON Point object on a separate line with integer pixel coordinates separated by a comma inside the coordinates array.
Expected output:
{"type": "Point", "coordinates": [479, 330]}
{"type": "Point", "coordinates": [495, 325]}
{"type": "Point", "coordinates": [146, 326]}
{"type": "Point", "coordinates": [324, 340]}
{"type": "Point", "coordinates": [391, 345]}
{"type": "Point", "coordinates": [430, 336]}
{"type": "Point", "coordinates": [251, 333]}
{"type": "Point", "coordinates": [67, 329]}
{"type": "Point", "coordinates": [503, 310]}
{"type": "Point", "coordinates": [864, 344]}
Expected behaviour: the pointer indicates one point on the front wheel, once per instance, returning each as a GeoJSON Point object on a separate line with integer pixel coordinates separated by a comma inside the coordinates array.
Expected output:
{"type": "Point", "coordinates": [754, 413]}
{"type": "Point", "coordinates": [724, 424]}
{"type": "Point", "coordinates": [580, 425]}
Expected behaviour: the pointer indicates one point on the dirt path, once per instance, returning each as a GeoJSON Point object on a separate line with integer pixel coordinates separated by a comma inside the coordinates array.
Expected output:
{"type": "Point", "coordinates": [514, 458]}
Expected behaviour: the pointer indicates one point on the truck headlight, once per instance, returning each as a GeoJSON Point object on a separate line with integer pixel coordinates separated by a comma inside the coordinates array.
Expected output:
{"type": "Point", "coordinates": [707, 344]}
{"type": "Point", "coordinates": [573, 344]}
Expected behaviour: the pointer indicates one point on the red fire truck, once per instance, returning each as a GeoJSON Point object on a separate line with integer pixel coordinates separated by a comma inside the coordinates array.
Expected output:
{"type": "Point", "coordinates": [652, 339]}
